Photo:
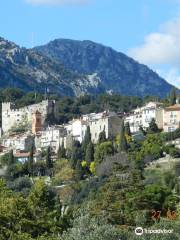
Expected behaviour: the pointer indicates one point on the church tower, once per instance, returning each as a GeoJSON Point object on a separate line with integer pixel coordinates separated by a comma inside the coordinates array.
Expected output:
{"type": "Point", "coordinates": [36, 122]}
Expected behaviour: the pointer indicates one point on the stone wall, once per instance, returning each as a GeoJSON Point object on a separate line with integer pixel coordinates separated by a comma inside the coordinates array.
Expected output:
{"type": "Point", "coordinates": [12, 117]}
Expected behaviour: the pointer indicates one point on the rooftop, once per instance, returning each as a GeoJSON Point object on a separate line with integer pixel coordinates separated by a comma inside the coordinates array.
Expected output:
{"type": "Point", "coordinates": [175, 107]}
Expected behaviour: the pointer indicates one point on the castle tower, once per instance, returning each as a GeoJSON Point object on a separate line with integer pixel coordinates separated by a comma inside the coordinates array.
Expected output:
{"type": "Point", "coordinates": [36, 122]}
{"type": "Point", "coordinates": [7, 119]}
{"type": "Point", "coordinates": [7, 106]}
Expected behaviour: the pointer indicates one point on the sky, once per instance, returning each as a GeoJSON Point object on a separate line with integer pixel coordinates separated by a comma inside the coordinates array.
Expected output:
{"type": "Point", "coordinates": [147, 30]}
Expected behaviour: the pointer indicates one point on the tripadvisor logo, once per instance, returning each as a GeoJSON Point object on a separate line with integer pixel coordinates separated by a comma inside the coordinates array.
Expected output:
{"type": "Point", "coordinates": [139, 231]}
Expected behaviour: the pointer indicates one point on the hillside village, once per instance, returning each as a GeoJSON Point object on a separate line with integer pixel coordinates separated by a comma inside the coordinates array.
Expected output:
{"type": "Point", "coordinates": [86, 160]}
{"type": "Point", "coordinates": [28, 126]}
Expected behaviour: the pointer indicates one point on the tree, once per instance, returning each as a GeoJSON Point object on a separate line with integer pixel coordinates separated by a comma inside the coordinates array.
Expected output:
{"type": "Point", "coordinates": [127, 129]}
{"type": "Point", "coordinates": [102, 137]}
{"type": "Point", "coordinates": [31, 161]}
{"type": "Point", "coordinates": [89, 157]}
{"type": "Point", "coordinates": [61, 152]}
{"type": "Point", "coordinates": [87, 139]}
{"type": "Point", "coordinates": [76, 153]}
{"type": "Point", "coordinates": [102, 150]}
{"type": "Point", "coordinates": [141, 129]}
{"type": "Point", "coordinates": [173, 96]}
{"type": "Point", "coordinates": [34, 216]}
{"type": "Point", "coordinates": [123, 142]}
{"type": "Point", "coordinates": [79, 171]}
{"type": "Point", "coordinates": [49, 162]}
{"type": "Point", "coordinates": [62, 172]}
{"type": "Point", "coordinates": [11, 159]}
{"type": "Point", "coordinates": [86, 227]}
{"type": "Point", "coordinates": [153, 128]}
{"type": "Point", "coordinates": [45, 209]}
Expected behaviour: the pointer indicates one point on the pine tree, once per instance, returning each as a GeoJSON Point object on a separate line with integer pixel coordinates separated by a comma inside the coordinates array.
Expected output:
{"type": "Point", "coordinates": [87, 139]}
{"type": "Point", "coordinates": [173, 96]}
{"type": "Point", "coordinates": [123, 142]}
{"type": "Point", "coordinates": [102, 137]}
{"type": "Point", "coordinates": [49, 162]}
{"type": "Point", "coordinates": [127, 129]}
{"type": "Point", "coordinates": [89, 153]}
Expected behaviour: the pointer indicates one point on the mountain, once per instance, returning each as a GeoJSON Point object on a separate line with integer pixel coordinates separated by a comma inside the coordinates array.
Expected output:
{"type": "Point", "coordinates": [29, 70]}
{"type": "Point", "coordinates": [69, 67]}
{"type": "Point", "coordinates": [117, 72]}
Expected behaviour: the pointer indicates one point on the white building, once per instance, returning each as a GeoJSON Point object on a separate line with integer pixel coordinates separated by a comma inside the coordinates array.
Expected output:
{"type": "Point", "coordinates": [144, 115]}
{"type": "Point", "coordinates": [22, 142]}
{"type": "Point", "coordinates": [55, 136]}
{"type": "Point", "coordinates": [51, 136]}
{"type": "Point", "coordinates": [77, 129]}
{"type": "Point", "coordinates": [107, 121]}
{"type": "Point", "coordinates": [12, 117]}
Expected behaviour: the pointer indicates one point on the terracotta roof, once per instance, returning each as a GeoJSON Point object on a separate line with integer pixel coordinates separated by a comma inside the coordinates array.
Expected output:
{"type": "Point", "coordinates": [23, 155]}
{"type": "Point", "coordinates": [173, 108]}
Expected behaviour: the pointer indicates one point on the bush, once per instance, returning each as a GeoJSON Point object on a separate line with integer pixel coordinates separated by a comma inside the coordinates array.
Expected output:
{"type": "Point", "coordinates": [86, 227]}
{"type": "Point", "coordinates": [102, 150]}
{"type": "Point", "coordinates": [174, 152]}
{"type": "Point", "coordinates": [22, 184]}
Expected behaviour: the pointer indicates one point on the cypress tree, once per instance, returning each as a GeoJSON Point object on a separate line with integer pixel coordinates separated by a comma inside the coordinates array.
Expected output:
{"type": "Point", "coordinates": [61, 152]}
{"type": "Point", "coordinates": [173, 96]}
{"type": "Point", "coordinates": [153, 128]}
{"type": "Point", "coordinates": [123, 142]}
{"type": "Point", "coordinates": [87, 139]}
{"type": "Point", "coordinates": [89, 153]}
{"type": "Point", "coordinates": [31, 161]}
{"type": "Point", "coordinates": [127, 129]}
{"type": "Point", "coordinates": [49, 162]}
{"type": "Point", "coordinates": [79, 171]}
{"type": "Point", "coordinates": [102, 137]}
{"type": "Point", "coordinates": [76, 153]}
{"type": "Point", "coordinates": [142, 130]}
{"type": "Point", "coordinates": [11, 159]}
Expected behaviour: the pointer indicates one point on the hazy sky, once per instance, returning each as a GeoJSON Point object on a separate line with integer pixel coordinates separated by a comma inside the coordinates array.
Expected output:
{"type": "Point", "coordinates": [147, 30]}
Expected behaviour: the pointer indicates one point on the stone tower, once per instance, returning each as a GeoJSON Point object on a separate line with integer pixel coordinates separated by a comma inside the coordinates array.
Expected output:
{"type": "Point", "coordinates": [36, 122]}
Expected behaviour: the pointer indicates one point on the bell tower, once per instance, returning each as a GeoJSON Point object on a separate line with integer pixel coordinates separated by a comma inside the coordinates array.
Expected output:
{"type": "Point", "coordinates": [36, 122]}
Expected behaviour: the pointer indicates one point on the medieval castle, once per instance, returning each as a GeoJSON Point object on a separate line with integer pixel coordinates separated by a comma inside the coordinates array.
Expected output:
{"type": "Point", "coordinates": [13, 117]}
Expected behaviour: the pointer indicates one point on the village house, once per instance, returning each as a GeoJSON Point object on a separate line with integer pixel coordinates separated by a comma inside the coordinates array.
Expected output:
{"type": "Point", "coordinates": [21, 142]}
{"type": "Point", "coordinates": [108, 122]}
{"type": "Point", "coordinates": [98, 122]}
{"type": "Point", "coordinates": [77, 129]}
{"type": "Point", "coordinates": [144, 115]}
{"type": "Point", "coordinates": [171, 118]}
{"type": "Point", "coordinates": [50, 137]}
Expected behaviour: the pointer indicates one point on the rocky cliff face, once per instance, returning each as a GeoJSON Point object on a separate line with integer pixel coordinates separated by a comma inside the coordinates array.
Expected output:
{"type": "Point", "coordinates": [69, 67]}
{"type": "Point", "coordinates": [29, 70]}
{"type": "Point", "coordinates": [118, 73]}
